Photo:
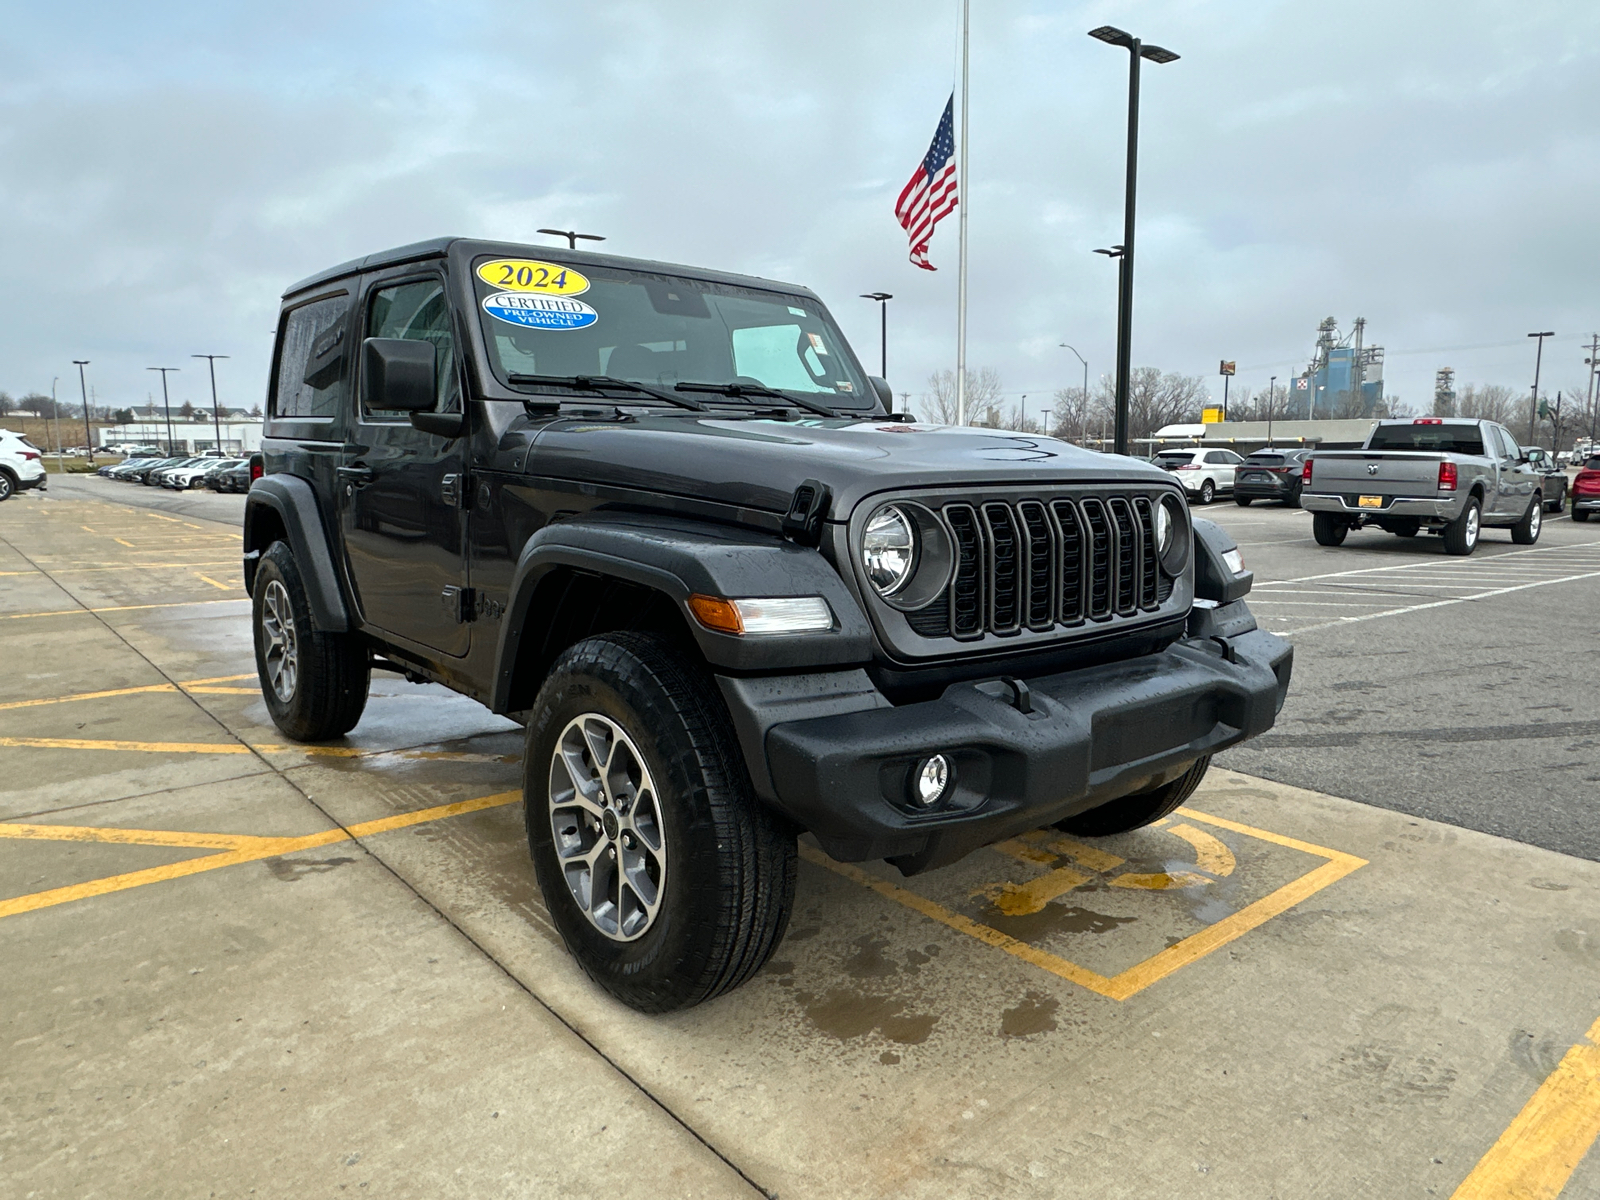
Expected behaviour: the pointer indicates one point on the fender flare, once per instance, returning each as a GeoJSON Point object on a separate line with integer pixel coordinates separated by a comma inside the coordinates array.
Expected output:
{"type": "Point", "coordinates": [680, 558]}
{"type": "Point", "coordinates": [295, 503]}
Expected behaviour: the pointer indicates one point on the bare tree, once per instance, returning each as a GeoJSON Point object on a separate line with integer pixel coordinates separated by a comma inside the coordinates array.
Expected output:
{"type": "Point", "coordinates": [983, 398]}
{"type": "Point", "coordinates": [6, 403]}
{"type": "Point", "coordinates": [1486, 402]}
{"type": "Point", "coordinates": [1072, 415]}
{"type": "Point", "coordinates": [1155, 398]}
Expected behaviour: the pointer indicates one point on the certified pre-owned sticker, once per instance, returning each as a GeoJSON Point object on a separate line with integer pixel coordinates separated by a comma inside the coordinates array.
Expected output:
{"type": "Point", "coordinates": [539, 312]}
{"type": "Point", "coordinates": [528, 275]}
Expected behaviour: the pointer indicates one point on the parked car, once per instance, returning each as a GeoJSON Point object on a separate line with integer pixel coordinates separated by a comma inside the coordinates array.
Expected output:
{"type": "Point", "coordinates": [21, 465]}
{"type": "Point", "coordinates": [1270, 475]}
{"type": "Point", "coordinates": [1586, 489]}
{"type": "Point", "coordinates": [731, 596]}
{"type": "Point", "coordinates": [1555, 476]}
{"type": "Point", "coordinates": [141, 473]}
{"type": "Point", "coordinates": [1450, 477]}
{"type": "Point", "coordinates": [110, 469]}
{"type": "Point", "coordinates": [1204, 474]}
{"type": "Point", "coordinates": [157, 477]}
{"type": "Point", "coordinates": [182, 478]}
{"type": "Point", "coordinates": [235, 478]}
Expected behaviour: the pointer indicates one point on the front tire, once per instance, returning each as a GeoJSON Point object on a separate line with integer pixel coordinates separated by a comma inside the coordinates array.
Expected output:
{"type": "Point", "coordinates": [314, 683]}
{"type": "Point", "coordinates": [1526, 531]}
{"type": "Point", "coordinates": [8, 485]}
{"type": "Point", "coordinates": [1139, 809]}
{"type": "Point", "coordinates": [668, 880]}
{"type": "Point", "coordinates": [1328, 529]}
{"type": "Point", "coordinates": [1461, 535]}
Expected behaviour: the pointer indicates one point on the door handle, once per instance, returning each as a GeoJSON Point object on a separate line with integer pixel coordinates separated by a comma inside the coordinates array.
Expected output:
{"type": "Point", "coordinates": [360, 475]}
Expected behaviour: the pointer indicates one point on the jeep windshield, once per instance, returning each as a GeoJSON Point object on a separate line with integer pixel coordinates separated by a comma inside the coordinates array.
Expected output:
{"type": "Point", "coordinates": [735, 346]}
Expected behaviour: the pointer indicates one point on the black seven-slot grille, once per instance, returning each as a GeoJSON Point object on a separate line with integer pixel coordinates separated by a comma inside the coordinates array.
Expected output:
{"type": "Point", "coordinates": [1036, 564]}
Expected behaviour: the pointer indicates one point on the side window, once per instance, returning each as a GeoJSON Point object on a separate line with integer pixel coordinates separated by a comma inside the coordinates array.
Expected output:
{"type": "Point", "coordinates": [418, 311]}
{"type": "Point", "coordinates": [1508, 444]}
{"type": "Point", "coordinates": [1232, 459]}
{"type": "Point", "coordinates": [311, 374]}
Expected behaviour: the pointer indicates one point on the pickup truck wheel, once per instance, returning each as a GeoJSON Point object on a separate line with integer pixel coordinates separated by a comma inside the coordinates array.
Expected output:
{"type": "Point", "coordinates": [1328, 529]}
{"type": "Point", "coordinates": [1141, 808]}
{"type": "Point", "coordinates": [669, 881]}
{"type": "Point", "coordinates": [314, 684]}
{"type": "Point", "coordinates": [1461, 535]}
{"type": "Point", "coordinates": [1526, 531]}
{"type": "Point", "coordinates": [1208, 492]}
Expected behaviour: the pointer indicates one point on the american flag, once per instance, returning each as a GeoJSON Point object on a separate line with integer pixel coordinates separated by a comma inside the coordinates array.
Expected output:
{"type": "Point", "coordinates": [931, 195]}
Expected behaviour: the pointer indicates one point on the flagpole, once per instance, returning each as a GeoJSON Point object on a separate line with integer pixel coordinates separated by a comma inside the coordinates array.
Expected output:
{"type": "Point", "coordinates": [961, 270]}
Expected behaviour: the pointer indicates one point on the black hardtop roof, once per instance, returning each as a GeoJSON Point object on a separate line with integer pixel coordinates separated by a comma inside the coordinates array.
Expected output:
{"type": "Point", "coordinates": [471, 247]}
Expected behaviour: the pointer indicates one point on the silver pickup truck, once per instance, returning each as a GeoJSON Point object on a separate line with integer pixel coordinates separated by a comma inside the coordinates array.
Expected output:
{"type": "Point", "coordinates": [1450, 477]}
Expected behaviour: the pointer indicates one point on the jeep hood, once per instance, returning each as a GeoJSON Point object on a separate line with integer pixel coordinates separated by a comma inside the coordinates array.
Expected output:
{"type": "Point", "coordinates": [759, 463]}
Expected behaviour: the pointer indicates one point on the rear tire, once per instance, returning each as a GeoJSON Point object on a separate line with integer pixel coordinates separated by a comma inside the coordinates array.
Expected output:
{"type": "Point", "coordinates": [1328, 529]}
{"type": "Point", "coordinates": [1243, 501]}
{"type": "Point", "coordinates": [7, 485]}
{"type": "Point", "coordinates": [314, 683]}
{"type": "Point", "coordinates": [1579, 514]}
{"type": "Point", "coordinates": [1558, 502]}
{"type": "Point", "coordinates": [1526, 531]}
{"type": "Point", "coordinates": [698, 911]}
{"type": "Point", "coordinates": [1461, 535]}
{"type": "Point", "coordinates": [1141, 808]}
{"type": "Point", "coordinates": [1208, 492]}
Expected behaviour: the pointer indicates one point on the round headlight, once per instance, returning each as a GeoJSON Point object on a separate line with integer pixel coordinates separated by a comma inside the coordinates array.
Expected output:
{"type": "Point", "coordinates": [1163, 530]}
{"type": "Point", "coordinates": [1172, 535]}
{"type": "Point", "coordinates": [889, 550]}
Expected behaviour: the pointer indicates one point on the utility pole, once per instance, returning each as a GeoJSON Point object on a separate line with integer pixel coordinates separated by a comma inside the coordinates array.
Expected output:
{"type": "Point", "coordinates": [1538, 361]}
{"type": "Point", "coordinates": [1591, 362]}
{"type": "Point", "coordinates": [83, 389]}
{"type": "Point", "coordinates": [166, 403]}
{"type": "Point", "coordinates": [1136, 50]}
{"type": "Point", "coordinates": [55, 415]}
{"type": "Point", "coordinates": [216, 418]}
{"type": "Point", "coordinates": [1272, 389]}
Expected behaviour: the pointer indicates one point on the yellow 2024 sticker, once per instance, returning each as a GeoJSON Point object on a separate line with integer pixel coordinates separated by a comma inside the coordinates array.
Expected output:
{"type": "Point", "coordinates": [528, 275]}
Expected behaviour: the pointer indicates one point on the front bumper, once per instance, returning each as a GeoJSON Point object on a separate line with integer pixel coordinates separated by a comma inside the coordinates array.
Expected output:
{"type": "Point", "coordinates": [833, 754]}
{"type": "Point", "coordinates": [1398, 506]}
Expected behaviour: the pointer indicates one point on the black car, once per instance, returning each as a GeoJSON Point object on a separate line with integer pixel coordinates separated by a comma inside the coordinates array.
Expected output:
{"type": "Point", "coordinates": [662, 517]}
{"type": "Point", "coordinates": [1554, 488]}
{"type": "Point", "coordinates": [230, 477]}
{"type": "Point", "coordinates": [1270, 475]}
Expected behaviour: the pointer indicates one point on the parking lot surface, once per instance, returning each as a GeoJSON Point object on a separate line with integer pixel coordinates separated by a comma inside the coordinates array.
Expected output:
{"type": "Point", "coordinates": [239, 966]}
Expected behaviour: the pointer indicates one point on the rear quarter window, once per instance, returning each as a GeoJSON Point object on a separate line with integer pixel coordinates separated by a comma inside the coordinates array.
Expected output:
{"type": "Point", "coordinates": [311, 374]}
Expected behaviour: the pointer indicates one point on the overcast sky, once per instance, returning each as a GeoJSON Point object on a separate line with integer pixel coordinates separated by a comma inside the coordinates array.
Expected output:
{"type": "Point", "coordinates": [165, 170]}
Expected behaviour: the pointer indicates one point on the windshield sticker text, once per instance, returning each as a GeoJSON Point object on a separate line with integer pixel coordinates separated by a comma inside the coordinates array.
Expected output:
{"type": "Point", "coordinates": [528, 275]}
{"type": "Point", "coordinates": [539, 312]}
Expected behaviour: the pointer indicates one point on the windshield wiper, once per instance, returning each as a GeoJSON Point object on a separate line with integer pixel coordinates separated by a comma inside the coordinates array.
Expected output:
{"type": "Point", "coordinates": [598, 383]}
{"type": "Point", "coordinates": [737, 390]}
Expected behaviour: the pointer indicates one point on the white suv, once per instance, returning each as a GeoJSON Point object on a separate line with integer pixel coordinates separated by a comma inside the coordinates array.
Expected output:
{"type": "Point", "coordinates": [21, 464]}
{"type": "Point", "coordinates": [1204, 474]}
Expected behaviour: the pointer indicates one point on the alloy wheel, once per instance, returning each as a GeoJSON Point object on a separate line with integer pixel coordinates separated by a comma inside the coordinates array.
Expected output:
{"type": "Point", "coordinates": [606, 818]}
{"type": "Point", "coordinates": [283, 647]}
{"type": "Point", "coordinates": [1472, 525]}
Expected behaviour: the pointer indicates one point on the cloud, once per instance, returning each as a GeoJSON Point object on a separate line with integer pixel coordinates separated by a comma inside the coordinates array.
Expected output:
{"type": "Point", "coordinates": [164, 174]}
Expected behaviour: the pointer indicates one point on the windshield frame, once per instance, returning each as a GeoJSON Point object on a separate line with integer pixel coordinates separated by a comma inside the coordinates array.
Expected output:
{"type": "Point", "coordinates": [493, 376]}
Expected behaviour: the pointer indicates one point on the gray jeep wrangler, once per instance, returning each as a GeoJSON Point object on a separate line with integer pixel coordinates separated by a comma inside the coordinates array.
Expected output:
{"type": "Point", "coordinates": [661, 516]}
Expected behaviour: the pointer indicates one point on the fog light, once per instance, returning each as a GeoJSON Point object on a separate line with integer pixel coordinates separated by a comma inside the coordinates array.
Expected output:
{"type": "Point", "coordinates": [933, 777]}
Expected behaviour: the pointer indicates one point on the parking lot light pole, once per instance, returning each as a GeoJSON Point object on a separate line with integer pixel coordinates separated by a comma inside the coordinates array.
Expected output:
{"type": "Point", "coordinates": [1137, 50]}
{"type": "Point", "coordinates": [1085, 362]}
{"type": "Point", "coordinates": [83, 389]}
{"type": "Point", "coordinates": [1272, 394]}
{"type": "Point", "coordinates": [165, 402]}
{"type": "Point", "coordinates": [573, 236]}
{"type": "Point", "coordinates": [1538, 361]}
{"type": "Point", "coordinates": [216, 418]}
{"type": "Point", "coordinates": [1591, 362]}
{"type": "Point", "coordinates": [883, 299]}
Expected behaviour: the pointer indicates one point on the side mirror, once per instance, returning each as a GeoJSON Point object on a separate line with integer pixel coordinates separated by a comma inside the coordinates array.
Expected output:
{"type": "Point", "coordinates": [398, 374]}
{"type": "Point", "coordinates": [881, 386]}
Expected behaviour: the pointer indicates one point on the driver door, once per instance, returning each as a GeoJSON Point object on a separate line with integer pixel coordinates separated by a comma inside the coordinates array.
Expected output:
{"type": "Point", "coordinates": [401, 490]}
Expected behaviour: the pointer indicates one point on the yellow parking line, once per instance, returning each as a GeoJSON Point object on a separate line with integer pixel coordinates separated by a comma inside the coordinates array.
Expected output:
{"type": "Point", "coordinates": [70, 612]}
{"type": "Point", "coordinates": [122, 566]}
{"type": "Point", "coordinates": [235, 849]}
{"type": "Point", "coordinates": [111, 744]}
{"type": "Point", "coordinates": [1537, 1154]}
{"type": "Point", "coordinates": [203, 686]}
{"type": "Point", "coordinates": [1140, 976]}
{"type": "Point", "coordinates": [221, 586]}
